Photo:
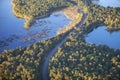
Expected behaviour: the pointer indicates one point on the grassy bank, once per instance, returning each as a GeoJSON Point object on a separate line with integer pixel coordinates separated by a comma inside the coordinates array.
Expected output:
{"type": "Point", "coordinates": [75, 17]}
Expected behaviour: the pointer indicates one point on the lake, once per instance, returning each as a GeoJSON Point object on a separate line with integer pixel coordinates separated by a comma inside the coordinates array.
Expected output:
{"type": "Point", "coordinates": [100, 35]}
{"type": "Point", "coordinates": [106, 3]}
{"type": "Point", "coordinates": [12, 31]}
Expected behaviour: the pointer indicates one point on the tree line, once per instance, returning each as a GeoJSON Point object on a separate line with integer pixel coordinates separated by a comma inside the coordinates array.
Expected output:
{"type": "Point", "coordinates": [109, 16]}
{"type": "Point", "coordinates": [32, 9]}
{"type": "Point", "coordinates": [78, 60]}
{"type": "Point", "coordinates": [26, 63]}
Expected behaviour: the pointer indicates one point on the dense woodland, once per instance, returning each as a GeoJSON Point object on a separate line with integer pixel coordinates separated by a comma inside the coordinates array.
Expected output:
{"type": "Point", "coordinates": [26, 63]}
{"type": "Point", "coordinates": [78, 60]}
{"type": "Point", "coordinates": [32, 9]}
{"type": "Point", "coordinates": [100, 15]}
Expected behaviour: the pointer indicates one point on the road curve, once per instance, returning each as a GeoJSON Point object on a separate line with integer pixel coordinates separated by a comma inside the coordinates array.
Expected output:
{"type": "Point", "coordinates": [46, 63]}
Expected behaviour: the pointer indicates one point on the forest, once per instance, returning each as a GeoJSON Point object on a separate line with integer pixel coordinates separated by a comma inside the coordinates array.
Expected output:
{"type": "Point", "coordinates": [78, 60]}
{"type": "Point", "coordinates": [35, 9]}
{"type": "Point", "coordinates": [98, 15]}
{"type": "Point", "coordinates": [26, 63]}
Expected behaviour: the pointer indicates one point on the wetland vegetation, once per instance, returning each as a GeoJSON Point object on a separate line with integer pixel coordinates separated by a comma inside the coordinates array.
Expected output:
{"type": "Point", "coordinates": [75, 59]}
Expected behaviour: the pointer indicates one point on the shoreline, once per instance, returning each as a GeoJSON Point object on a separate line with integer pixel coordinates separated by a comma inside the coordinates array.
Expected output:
{"type": "Point", "coordinates": [29, 20]}
{"type": "Point", "coordinates": [73, 16]}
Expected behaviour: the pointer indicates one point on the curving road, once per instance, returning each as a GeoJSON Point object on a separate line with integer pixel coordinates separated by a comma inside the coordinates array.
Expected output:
{"type": "Point", "coordinates": [46, 63]}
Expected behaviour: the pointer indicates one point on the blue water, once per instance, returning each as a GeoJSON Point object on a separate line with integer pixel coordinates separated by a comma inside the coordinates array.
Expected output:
{"type": "Point", "coordinates": [12, 31]}
{"type": "Point", "coordinates": [106, 3]}
{"type": "Point", "coordinates": [102, 36]}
